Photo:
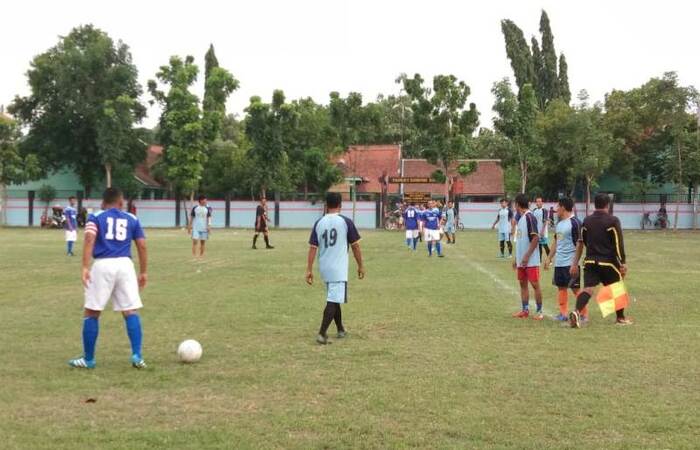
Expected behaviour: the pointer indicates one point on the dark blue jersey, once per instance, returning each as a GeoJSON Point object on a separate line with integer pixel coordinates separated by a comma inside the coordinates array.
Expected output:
{"type": "Point", "coordinates": [114, 230]}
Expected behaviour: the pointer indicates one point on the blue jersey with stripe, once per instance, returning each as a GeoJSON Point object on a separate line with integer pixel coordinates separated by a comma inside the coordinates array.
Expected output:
{"type": "Point", "coordinates": [431, 218]}
{"type": "Point", "coordinates": [568, 232]}
{"type": "Point", "coordinates": [410, 218]}
{"type": "Point", "coordinates": [332, 234]}
{"type": "Point", "coordinates": [71, 215]}
{"type": "Point", "coordinates": [114, 230]}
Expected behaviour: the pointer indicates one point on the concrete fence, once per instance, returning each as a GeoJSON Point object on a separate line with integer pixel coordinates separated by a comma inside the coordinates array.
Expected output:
{"type": "Point", "coordinates": [302, 214]}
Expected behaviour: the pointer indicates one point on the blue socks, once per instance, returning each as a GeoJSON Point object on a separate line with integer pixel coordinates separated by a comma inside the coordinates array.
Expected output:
{"type": "Point", "coordinates": [430, 248]}
{"type": "Point", "coordinates": [415, 243]}
{"type": "Point", "coordinates": [70, 247]}
{"type": "Point", "coordinates": [526, 305]}
{"type": "Point", "coordinates": [91, 328]}
{"type": "Point", "coordinates": [133, 329]}
{"type": "Point", "coordinates": [438, 247]}
{"type": "Point", "coordinates": [539, 307]}
{"type": "Point", "coordinates": [408, 243]}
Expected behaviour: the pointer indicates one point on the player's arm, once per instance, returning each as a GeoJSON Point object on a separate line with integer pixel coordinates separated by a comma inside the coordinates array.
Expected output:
{"type": "Point", "coordinates": [189, 222]}
{"type": "Point", "coordinates": [573, 271]}
{"type": "Point", "coordinates": [357, 253]}
{"type": "Point", "coordinates": [310, 258]}
{"type": "Point", "coordinates": [552, 254]}
{"type": "Point", "coordinates": [208, 218]}
{"type": "Point", "coordinates": [619, 245]}
{"type": "Point", "coordinates": [143, 261]}
{"type": "Point", "coordinates": [88, 246]}
{"type": "Point", "coordinates": [495, 222]}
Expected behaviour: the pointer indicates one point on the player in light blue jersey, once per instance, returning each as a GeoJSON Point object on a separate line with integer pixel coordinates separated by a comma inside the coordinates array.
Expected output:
{"type": "Point", "coordinates": [108, 237]}
{"type": "Point", "coordinates": [70, 225]}
{"type": "Point", "coordinates": [330, 238]}
{"type": "Point", "coordinates": [543, 220]}
{"type": "Point", "coordinates": [563, 253]}
{"type": "Point", "coordinates": [527, 259]}
{"type": "Point", "coordinates": [504, 220]}
{"type": "Point", "coordinates": [449, 217]}
{"type": "Point", "coordinates": [432, 218]}
{"type": "Point", "coordinates": [200, 225]}
{"type": "Point", "coordinates": [411, 220]}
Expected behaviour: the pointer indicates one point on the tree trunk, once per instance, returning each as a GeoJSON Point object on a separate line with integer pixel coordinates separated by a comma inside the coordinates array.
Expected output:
{"type": "Point", "coordinates": [523, 176]}
{"type": "Point", "coordinates": [695, 206]}
{"type": "Point", "coordinates": [108, 174]}
{"type": "Point", "coordinates": [588, 194]}
{"type": "Point", "coordinates": [306, 190]}
{"type": "Point", "coordinates": [189, 208]}
{"type": "Point", "coordinates": [680, 184]}
{"type": "Point", "coordinates": [263, 192]}
{"type": "Point", "coordinates": [644, 211]}
{"type": "Point", "coordinates": [3, 204]}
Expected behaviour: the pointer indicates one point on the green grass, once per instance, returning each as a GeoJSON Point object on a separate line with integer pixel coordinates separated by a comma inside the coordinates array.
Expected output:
{"type": "Point", "coordinates": [433, 360]}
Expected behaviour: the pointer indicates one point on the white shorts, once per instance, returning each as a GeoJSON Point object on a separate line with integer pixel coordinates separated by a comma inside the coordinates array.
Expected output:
{"type": "Point", "coordinates": [337, 292]}
{"type": "Point", "coordinates": [113, 278]}
{"type": "Point", "coordinates": [71, 236]}
{"type": "Point", "coordinates": [412, 234]}
{"type": "Point", "coordinates": [431, 235]}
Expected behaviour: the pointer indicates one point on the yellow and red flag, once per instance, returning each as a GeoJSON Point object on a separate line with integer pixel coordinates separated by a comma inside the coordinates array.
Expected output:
{"type": "Point", "coordinates": [612, 298]}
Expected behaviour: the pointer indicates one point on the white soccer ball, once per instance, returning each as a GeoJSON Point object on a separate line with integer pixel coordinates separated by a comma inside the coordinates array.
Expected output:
{"type": "Point", "coordinates": [189, 351]}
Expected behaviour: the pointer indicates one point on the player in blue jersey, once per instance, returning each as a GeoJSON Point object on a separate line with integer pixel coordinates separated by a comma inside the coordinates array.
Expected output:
{"type": "Point", "coordinates": [504, 220]}
{"type": "Point", "coordinates": [543, 220]}
{"type": "Point", "coordinates": [432, 218]}
{"type": "Point", "coordinates": [411, 218]}
{"type": "Point", "coordinates": [108, 237]}
{"type": "Point", "coordinates": [330, 238]}
{"type": "Point", "coordinates": [200, 225]}
{"type": "Point", "coordinates": [568, 231]}
{"type": "Point", "coordinates": [70, 225]}
{"type": "Point", "coordinates": [527, 258]}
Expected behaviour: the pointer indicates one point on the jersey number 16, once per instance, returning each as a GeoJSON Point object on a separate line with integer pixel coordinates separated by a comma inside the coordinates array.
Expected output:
{"type": "Point", "coordinates": [121, 225]}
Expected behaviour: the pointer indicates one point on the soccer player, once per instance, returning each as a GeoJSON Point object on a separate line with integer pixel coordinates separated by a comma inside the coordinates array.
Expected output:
{"type": "Point", "coordinates": [200, 225]}
{"type": "Point", "coordinates": [108, 236]}
{"type": "Point", "coordinates": [504, 220]}
{"type": "Point", "coordinates": [449, 218]}
{"type": "Point", "coordinates": [70, 225]}
{"type": "Point", "coordinates": [261, 224]}
{"type": "Point", "coordinates": [543, 218]}
{"type": "Point", "coordinates": [605, 261]}
{"type": "Point", "coordinates": [411, 216]}
{"type": "Point", "coordinates": [565, 240]}
{"type": "Point", "coordinates": [527, 258]}
{"type": "Point", "coordinates": [330, 238]}
{"type": "Point", "coordinates": [431, 226]}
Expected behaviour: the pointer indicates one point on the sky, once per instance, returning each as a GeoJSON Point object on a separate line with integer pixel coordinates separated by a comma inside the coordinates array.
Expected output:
{"type": "Point", "coordinates": [310, 48]}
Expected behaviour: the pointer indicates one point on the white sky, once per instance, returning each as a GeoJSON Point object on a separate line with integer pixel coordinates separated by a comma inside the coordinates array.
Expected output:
{"type": "Point", "coordinates": [310, 48]}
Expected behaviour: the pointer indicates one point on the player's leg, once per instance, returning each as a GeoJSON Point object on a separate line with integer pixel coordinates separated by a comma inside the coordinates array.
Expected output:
{"type": "Point", "coordinates": [328, 316]}
{"type": "Point", "coordinates": [438, 244]}
{"type": "Point", "coordinates": [202, 244]}
{"type": "Point", "coordinates": [534, 279]}
{"type": "Point", "coordinates": [510, 247]}
{"type": "Point", "coordinates": [409, 238]}
{"type": "Point", "coordinates": [267, 239]}
{"type": "Point", "coordinates": [502, 246]}
{"type": "Point", "coordinates": [524, 295]}
{"type": "Point", "coordinates": [429, 241]}
{"type": "Point", "coordinates": [194, 247]}
{"type": "Point", "coordinates": [255, 240]}
{"type": "Point", "coordinates": [415, 236]}
{"type": "Point", "coordinates": [127, 300]}
{"type": "Point", "coordinates": [97, 294]}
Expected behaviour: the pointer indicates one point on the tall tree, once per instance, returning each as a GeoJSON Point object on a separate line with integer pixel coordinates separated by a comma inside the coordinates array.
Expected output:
{"type": "Point", "coordinates": [540, 75]}
{"type": "Point", "coordinates": [219, 84]}
{"type": "Point", "coordinates": [84, 93]}
{"type": "Point", "coordinates": [14, 166]}
{"type": "Point", "coordinates": [181, 130]}
{"type": "Point", "coordinates": [519, 54]}
{"type": "Point", "coordinates": [564, 90]}
{"type": "Point", "coordinates": [444, 121]}
{"type": "Point", "coordinates": [550, 78]}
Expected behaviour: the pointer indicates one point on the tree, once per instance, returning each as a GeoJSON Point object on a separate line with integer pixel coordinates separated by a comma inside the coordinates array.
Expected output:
{"type": "Point", "coordinates": [549, 77]}
{"type": "Point", "coordinates": [444, 123]}
{"type": "Point", "coordinates": [219, 84]}
{"type": "Point", "coordinates": [564, 90]}
{"type": "Point", "coordinates": [84, 94]}
{"type": "Point", "coordinates": [516, 121]}
{"type": "Point", "coordinates": [181, 129]}
{"type": "Point", "coordinates": [14, 167]}
{"type": "Point", "coordinates": [46, 194]}
{"type": "Point", "coordinates": [519, 54]}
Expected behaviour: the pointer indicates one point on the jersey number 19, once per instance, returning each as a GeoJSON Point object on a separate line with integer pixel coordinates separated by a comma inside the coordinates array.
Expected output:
{"type": "Point", "coordinates": [333, 237]}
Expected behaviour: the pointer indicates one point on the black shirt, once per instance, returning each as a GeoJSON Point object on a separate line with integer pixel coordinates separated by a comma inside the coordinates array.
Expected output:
{"type": "Point", "coordinates": [602, 235]}
{"type": "Point", "coordinates": [260, 215]}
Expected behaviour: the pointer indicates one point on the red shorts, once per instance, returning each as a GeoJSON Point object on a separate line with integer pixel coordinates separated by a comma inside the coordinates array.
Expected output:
{"type": "Point", "coordinates": [530, 274]}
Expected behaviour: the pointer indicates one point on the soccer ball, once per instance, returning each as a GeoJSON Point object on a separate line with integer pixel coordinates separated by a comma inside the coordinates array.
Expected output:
{"type": "Point", "coordinates": [189, 351]}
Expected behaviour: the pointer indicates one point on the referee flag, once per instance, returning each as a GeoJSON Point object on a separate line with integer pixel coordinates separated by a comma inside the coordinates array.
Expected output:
{"type": "Point", "coordinates": [612, 298]}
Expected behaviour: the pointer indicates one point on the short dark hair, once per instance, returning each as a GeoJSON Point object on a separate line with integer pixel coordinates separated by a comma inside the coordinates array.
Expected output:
{"type": "Point", "coordinates": [202, 197]}
{"type": "Point", "coordinates": [333, 200]}
{"type": "Point", "coordinates": [522, 201]}
{"type": "Point", "coordinates": [566, 203]}
{"type": "Point", "coordinates": [72, 197]}
{"type": "Point", "coordinates": [539, 197]}
{"type": "Point", "coordinates": [111, 195]}
{"type": "Point", "coordinates": [602, 200]}
{"type": "Point", "coordinates": [504, 200]}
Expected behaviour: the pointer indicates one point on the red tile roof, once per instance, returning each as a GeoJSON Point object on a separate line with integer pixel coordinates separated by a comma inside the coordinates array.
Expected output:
{"type": "Point", "coordinates": [487, 179]}
{"type": "Point", "coordinates": [371, 163]}
{"type": "Point", "coordinates": [142, 171]}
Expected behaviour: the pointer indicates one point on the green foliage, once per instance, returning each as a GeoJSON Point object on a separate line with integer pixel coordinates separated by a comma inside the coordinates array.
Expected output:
{"type": "Point", "coordinates": [549, 80]}
{"type": "Point", "coordinates": [467, 168]}
{"type": "Point", "coordinates": [46, 193]}
{"type": "Point", "coordinates": [181, 127]}
{"type": "Point", "coordinates": [83, 104]}
{"type": "Point", "coordinates": [219, 84]}
{"type": "Point", "coordinates": [438, 176]}
{"type": "Point", "coordinates": [564, 90]}
{"type": "Point", "coordinates": [14, 167]}
{"type": "Point", "coordinates": [518, 53]}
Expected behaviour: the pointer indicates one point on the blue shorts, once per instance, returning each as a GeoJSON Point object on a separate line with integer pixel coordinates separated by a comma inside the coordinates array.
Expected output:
{"type": "Point", "coordinates": [544, 240]}
{"type": "Point", "coordinates": [450, 228]}
{"type": "Point", "coordinates": [503, 237]}
{"type": "Point", "coordinates": [337, 292]}
{"type": "Point", "coordinates": [200, 235]}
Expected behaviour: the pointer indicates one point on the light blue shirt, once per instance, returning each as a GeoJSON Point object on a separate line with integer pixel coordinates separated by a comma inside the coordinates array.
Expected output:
{"type": "Point", "coordinates": [542, 216]}
{"type": "Point", "coordinates": [200, 218]}
{"type": "Point", "coordinates": [527, 230]}
{"type": "Point", "coordinates": [504, 217]}
{"type": "Point", "coordinates": [568, 232]}
{"type": "Point", "coordinates": [333, 234]}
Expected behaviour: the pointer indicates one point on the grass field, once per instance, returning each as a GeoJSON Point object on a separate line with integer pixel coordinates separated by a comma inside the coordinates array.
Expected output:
{"type": "Point", "coordinates": [433, 359]}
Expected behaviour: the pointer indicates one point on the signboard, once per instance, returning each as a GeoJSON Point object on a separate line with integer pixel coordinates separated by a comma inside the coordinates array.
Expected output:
{"type": "Point", "coordinates": [416, 197]}
{"type": "Point", "coordinates": [410, 180]}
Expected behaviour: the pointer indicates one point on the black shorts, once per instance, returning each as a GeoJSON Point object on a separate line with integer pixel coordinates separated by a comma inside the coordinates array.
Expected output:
{"type": "Point", "coordinates": [262, 227]}
{"type": "Point", "coordinates": [562, 278]}
{"type": "Point", "coordinates": [595, 273]}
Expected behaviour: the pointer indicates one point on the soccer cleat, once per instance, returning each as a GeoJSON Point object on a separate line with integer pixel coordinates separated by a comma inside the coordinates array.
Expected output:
{"type": "Point", "coordinates": [82, 363]}
{"type": "Point", "coordinates": [623, 321]}
{"type": "Point", "coordinates": [574, 319]}
{"type": "Point", "coordinates": [137, 362]}
{"type": "Point", "coordinates": [341, 334]}
{"type": "Point", "coordinates": [269, 247]}
{"type": "Point", "coordinates": [561, 318]}
{"type": "Point", "coordinates": [538, 316]}
{"type": "Point", "coordinates": [441, 256]}
{"type": "Point", "coordinates": [254, 247]}
{"type": "Point", "coordinates": [523, 314]}
{"type": "Point", "coordinates": [321, 339]}
{"type": "Point", "coordinates": [501, 256]}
